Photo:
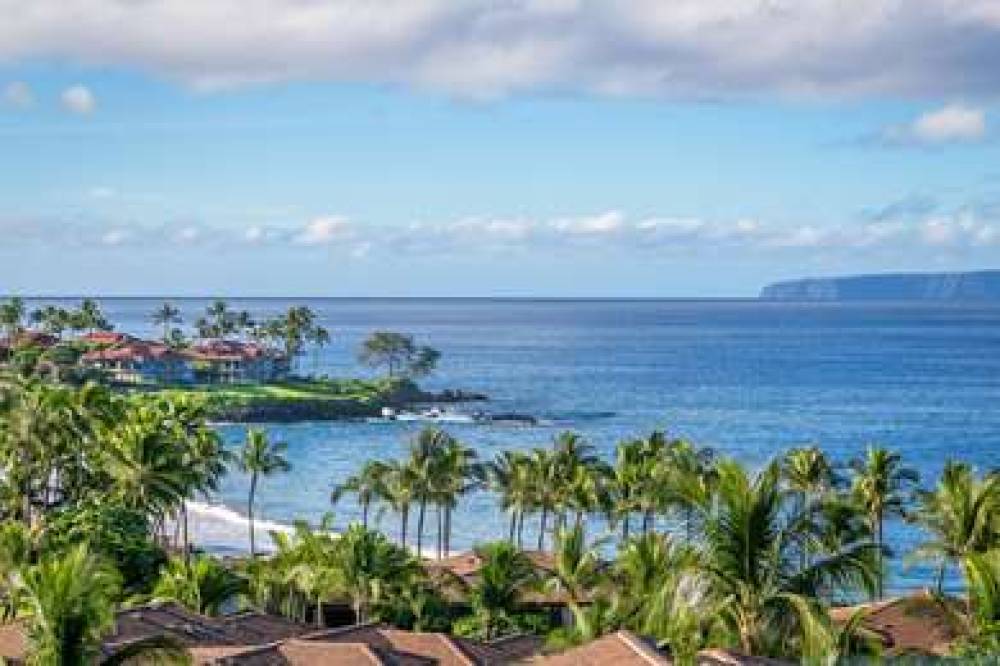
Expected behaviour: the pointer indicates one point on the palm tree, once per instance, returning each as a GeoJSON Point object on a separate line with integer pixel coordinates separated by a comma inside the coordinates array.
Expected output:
{"type": "Point", "coordinates": [962, 515]}
{"type": "Point", "coordinates": [423, 462]}
{"type": "Point", "coordinates": [12, 314]}
{"type": "Point", "coordinates": [982, 621]}
{"type": "Point", "coordinates": [881, 486]}
{"type": "Point", "coordinates": [508, 474]}
{"type": "Point", "coordinates": [166, 315]}
{"type": "Point", "coordinates": [203, 584]}
{"type": "Point", "coordinates": [68, 603]}
{"type": "Point", "coordinates": [576, 571]}
{"type": "Point", "coordinates": [400, 490]}
{"type": "Point", "coordinates": [368, 567]}
{"type": "Point", "coordinates": [368, 485]}
{"type": "Point", "coordinates": [458, 474]}
{"type": "Point", "coordinates": [503, 577]}
{"type": "Point", "coordinates": [260, 457]}
{"type": "Point", "coordinates": [749, 541]}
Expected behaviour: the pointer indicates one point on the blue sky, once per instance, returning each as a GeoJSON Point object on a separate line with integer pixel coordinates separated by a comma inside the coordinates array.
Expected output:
{"type": "Point", "coordinates": [452, 159]}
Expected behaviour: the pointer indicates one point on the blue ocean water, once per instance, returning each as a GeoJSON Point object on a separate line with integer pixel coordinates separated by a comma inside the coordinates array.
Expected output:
{"type": "Point", "coordinates": [747, 378]}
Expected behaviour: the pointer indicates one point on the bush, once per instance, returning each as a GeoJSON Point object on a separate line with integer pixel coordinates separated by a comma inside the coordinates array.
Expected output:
{"type": "Point", "coordinates": [118, 533]}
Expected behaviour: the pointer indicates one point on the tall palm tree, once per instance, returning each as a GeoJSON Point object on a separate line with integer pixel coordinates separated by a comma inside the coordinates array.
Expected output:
{"type": "Point", "coordinates": [12, 314]}
{"type": "Point", "coordinates": [68, 603]}
{"type": "Point", "coordinates": [748, 551]}
{"type": "Point", "coordinates": [982, 621]}
{"type": "Point", "coordinates": [260, 457]}
{"type": "Point", "coordinates": [368, 485]}
{"type": "Point", "coordinates": [458, 474]}
{"type": "Point", "coordinates": [425, 451]}
{"type": "Point", "coordinates": [400, 489]}
{"type": "Point", "coordinates": [509, 475]}
{"type": "Point", "coordinates": [166, 316]}
{"type": "Point", "coordinates": [203, 584]}
{"type": "Point", "coordinates": [881, 486]}
{"type": "Point", "coordinates": [962, 514]}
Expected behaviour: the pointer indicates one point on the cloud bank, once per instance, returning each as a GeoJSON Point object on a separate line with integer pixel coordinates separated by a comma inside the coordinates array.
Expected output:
{"type": "Point", "coordinates": [899, 229]}
{"type": "Point", "coordinates": [953, 123]}
{"type": "Point", "coordinates": [682, 48]}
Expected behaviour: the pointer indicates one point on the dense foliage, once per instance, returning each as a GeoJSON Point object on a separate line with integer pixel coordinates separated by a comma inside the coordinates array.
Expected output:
{"type": "Point", "coordinates": [698, 549]}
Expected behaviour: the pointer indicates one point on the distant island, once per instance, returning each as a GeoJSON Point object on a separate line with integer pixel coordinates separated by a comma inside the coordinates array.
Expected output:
{"type": "Point", "coordinates": [962, 286]}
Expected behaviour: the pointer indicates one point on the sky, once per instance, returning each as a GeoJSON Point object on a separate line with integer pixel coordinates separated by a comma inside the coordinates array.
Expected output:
{"type": "Point", "coordinates": [696, 148]}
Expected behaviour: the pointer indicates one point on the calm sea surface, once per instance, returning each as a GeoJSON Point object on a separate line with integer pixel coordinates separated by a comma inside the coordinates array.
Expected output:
{"type": "Point", "coordinates": [747, 378]}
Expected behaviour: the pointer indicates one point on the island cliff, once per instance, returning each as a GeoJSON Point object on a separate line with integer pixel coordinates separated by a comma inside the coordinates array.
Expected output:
{"type": "Point", "coordinates": [966, 286]}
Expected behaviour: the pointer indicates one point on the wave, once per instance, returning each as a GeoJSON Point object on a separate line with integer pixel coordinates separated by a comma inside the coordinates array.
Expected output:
{"type": "Point", "coordinates": [221, 530]}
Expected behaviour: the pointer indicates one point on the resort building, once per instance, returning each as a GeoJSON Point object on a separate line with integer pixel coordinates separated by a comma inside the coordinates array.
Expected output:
{"type": "Point", "coordinates": [232, 362]}
{"type": "Point", "coordinates": [140, 362]}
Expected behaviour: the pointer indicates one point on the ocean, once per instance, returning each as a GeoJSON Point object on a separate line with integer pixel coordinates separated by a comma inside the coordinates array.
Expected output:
{"type": "Point", "coordinates": [747, 378]}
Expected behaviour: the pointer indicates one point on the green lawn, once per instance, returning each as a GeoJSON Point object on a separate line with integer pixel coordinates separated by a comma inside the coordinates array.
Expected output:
{"type": "Point", "coordinates": [346, 389]}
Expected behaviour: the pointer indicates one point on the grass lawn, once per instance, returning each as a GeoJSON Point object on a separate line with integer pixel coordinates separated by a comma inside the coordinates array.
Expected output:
{"type": "Point", "coordinates": [292, 391]}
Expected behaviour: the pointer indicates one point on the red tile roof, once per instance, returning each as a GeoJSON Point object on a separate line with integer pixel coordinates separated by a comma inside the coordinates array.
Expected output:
{"type": "Point", "coordinates": [228, 350]}
{"type": "Point", "coordinates": [131, 351]}
{"type": "Point", "coordinates": [622, 648]}
{"type": "Point", "coordinates": [106, 338]}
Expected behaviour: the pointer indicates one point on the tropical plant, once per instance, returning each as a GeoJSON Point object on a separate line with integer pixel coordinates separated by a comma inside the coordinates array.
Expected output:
{"type": "Point", "coordinates": [67, 600]}
{"type": "Point", "coordinates": [504, 575]}
{"type": "Point", "coordinates": [202, 584]}
{"type": "Point", "coordinates": [771, 599]}
{"type": "Point", "coordinates": [260, 458]}
{"type": "Point", "coordinates": [368, 485]}
{"type": "Point", "coordinates": [166, 316]}
{"type": "Point", "coordinates": [962, 515]}
{"type": "Point", "coordinates": [398, 353]}
{"type": "Point", "coordinates": [881, 486]}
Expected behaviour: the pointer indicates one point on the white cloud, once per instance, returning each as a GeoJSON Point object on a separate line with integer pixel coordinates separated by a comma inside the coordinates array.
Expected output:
{"type": "Point", "coordinates": [597, 225]}
{"type": "Point", "coordinates": [682, 48]}
{"type": "Point", "coordinates": [114, 237]}
{"type": "Point", "coordinates": [18, 95]}
{"type": "Point", "coordinates": [954, 123]}
{"type": "Point", "coordinates": [323, 231]}
{"type": "Point", "coordinates": [78, 99]}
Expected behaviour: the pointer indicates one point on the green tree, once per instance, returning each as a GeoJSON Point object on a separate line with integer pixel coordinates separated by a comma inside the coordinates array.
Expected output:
{"type": "Point", "coordinates": [881, 485]}
{"type": "Point", "coordinates": [368, 485]}
{"type": "Point", "coordinates": [748, 551]}
{"type": "Point", "coordinates": [203, 584]}
{"type": "Point", "coordinates": [962, 515]}
{"type": "Point", "coordinates": [67, 601]}
{"type": "Point", "coordinates": [260, 457]}
{"type": "Point", "coordinates": [398, 353]}
{"type": "Point", "coordinates": [12, 315]}
{"type": "Point", "coordinates": [504, 575]}
{"type": "Point", "coordinates": [166, 316]}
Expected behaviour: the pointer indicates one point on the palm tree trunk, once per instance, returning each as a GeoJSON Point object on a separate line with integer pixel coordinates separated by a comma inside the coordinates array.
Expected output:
{"type": "Point", "coordinates": [625, 526]}
{"type": "Point", "coordinates": [187, 543]}
{"type": "Point", "coordinates": [881, 564]}
{"type": "Point", "coordinates": [364, 513]}
{"type": "Point", "coordinates": [440, 532]}
{"type": "Point", "coordinates": [541, 527]}
{"type": "Point", "coordinates": [420, 526]}
{"type": "Point", "coordinates": [447, 530]}
{"type": "Point", "coordinates": [319, 612]}
{"type": "Point", "coordinates": [520, 528]}
{"type": "Point", "coordinates": [404, 518]}
{"type": "Point", "coordinates": [513, 525]}
{"type": "Point", "coordinates": [253, 491]}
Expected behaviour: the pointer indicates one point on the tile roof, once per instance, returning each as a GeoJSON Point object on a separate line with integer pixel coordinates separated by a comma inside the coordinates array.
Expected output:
{"type": "Point", "coordinates": [106, 337]}
{"type": "Point", "coordinates": [622, 648]}
{"type": "Point", "coordinates": [228, 350]}
{"type": "Point", "coordinates": [138, 350]}
{"type": "Point", "coordinates": [441, 648]}
{"type": "Point", "coordinates": [912, 624]}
